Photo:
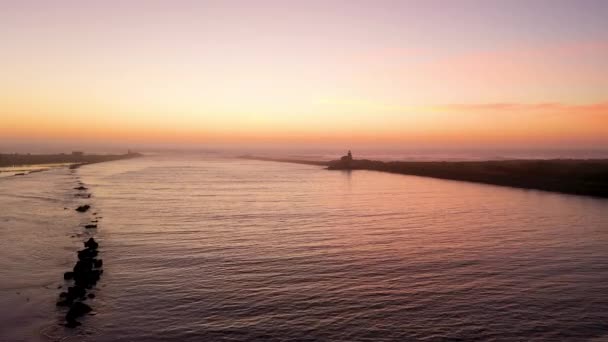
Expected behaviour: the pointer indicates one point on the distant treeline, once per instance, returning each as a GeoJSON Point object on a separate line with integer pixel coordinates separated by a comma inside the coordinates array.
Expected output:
{"type": "Point", "coordinates": [76, 158]}
{"type": "Point", "coordinates": [582, 177]}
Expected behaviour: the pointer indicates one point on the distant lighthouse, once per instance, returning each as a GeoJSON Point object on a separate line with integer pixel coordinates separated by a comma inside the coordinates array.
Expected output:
{"type": "Point", "coordinates": [344, 163]}
{"type": "Point", "coordinates": [347, 158]}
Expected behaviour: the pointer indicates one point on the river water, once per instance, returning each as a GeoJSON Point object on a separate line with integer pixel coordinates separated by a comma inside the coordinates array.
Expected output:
{"type": "Point", "coordinates": [200, 248]}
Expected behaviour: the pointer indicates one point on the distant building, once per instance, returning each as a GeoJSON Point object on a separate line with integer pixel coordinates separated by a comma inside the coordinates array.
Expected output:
{"type": "Point", "coordinates": [77, 154]}
{"type": "Point", "coordinates": [344, 163]}
{"type": "Point", "coordinates": [347, 158]}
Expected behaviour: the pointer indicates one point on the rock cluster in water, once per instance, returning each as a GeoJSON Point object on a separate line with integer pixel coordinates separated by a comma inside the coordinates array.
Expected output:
{"type": "Point", "coordinates": [82, 278]}
{"type": "Point", "coordinates": [85, 275]}
{"type": "Point", "coordinates": [83, 208]}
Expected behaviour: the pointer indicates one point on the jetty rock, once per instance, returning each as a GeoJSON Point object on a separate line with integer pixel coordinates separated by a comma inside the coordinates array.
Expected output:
{"type": "Point", "coordinates": [73, 293]}
{"type": "Point", "coordinates": [83, 208]}
{"type": "Point", "coordinates": [78, 309]}
{"type": "Point", "coordinates": [91, 243]}
{"type": "Point", "coordinates": [87, 253]}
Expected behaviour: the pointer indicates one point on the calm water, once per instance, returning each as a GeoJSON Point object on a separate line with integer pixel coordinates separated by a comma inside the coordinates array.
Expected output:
{"type": "Point", "coordinates": [212, 249]}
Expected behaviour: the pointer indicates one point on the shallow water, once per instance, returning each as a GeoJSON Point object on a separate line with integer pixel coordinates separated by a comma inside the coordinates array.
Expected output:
{"type": "Point", "coordinates": [218, 249]}
{"type": "Point", "coordinates": [10, 171]}
{"type": "Point", "coordinates": [38, 240]}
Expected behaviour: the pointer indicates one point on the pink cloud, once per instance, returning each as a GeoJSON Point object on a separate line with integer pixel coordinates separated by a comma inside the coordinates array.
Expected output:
{"type": "Point", "coordinates": [538, 108]}
{"type": "Point", "coordinates": [569, 72]}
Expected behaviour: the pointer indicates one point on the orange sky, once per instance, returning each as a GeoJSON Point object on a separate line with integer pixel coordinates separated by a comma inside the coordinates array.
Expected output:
{"type": "Point", "coordinates": [321, 72]}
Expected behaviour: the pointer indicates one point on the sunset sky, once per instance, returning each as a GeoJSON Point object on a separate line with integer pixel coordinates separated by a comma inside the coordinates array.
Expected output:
{"type": "Point", "coordinates": [441, 73]}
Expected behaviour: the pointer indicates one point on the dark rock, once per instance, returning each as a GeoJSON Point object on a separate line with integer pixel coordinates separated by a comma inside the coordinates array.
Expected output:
{"type": "Point", "coordinates": [98, 263]}
{"type": "Point", "coordinates": [81, 268]}
{"type": "Point", "coordinates": [87, 278]}
{"type": "Point", "coordinates": [87, 253]}
{"type": "Point", "coordinates": [63, 295]}
{"type": "Point", "coordinates": [68, 275]}
{"type": "Point", "coordinates": [86, 283]}
{"type": "Point", "coordinates": [80, 188]}
{"type": "Point", "coordinates": [78, 309]}
{"type": "Point", "coordinates": [84, 265]}
{"type": "Point", "coordinates": [83, 208]}
{"type": "Point", "coordinates": [91, 295]}
{"type": "Point", "coordinates": [94, 276]}
{"type": "Point", "coordinates": [91, 243]}
{"type": "Point", "coordinates": [63, 303]}
{"type": "Point", "coordinates": [72, 323]}
{"type": "Point", "coordinates": [90, 226]}
{"type": "Point", "coordinates": [76, 292]}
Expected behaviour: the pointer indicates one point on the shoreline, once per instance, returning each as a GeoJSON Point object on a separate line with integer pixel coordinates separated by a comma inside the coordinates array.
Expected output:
{"type": "Point", "coordinates": [42, 234]}
{"type": "Point", "coordinates": [25, 164]}
{"type": "Point", "coordinates": [287, 160]}
{"type": "Point", "coordinates": [17, 160]}
{"type": "Point", "coordinates": [587, 177]}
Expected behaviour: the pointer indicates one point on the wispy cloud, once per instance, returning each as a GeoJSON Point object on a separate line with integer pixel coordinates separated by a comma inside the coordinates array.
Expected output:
{"type": "Point", "coordinates": [593, 110]}
{"type": "Point", "coordinates": [566, 72]}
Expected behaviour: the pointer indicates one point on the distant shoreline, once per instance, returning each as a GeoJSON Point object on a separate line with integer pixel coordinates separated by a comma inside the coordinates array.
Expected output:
{"type": "Point", "coordinates": [75, 159]}
{"type": "Point", "coordinates": [287, 160]}
{"type": "Point", "coordinates": [588, 177]}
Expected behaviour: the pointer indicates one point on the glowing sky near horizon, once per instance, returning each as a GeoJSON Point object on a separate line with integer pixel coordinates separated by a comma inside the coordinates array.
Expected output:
{"type": "Point", "coordinates": [395, 72]}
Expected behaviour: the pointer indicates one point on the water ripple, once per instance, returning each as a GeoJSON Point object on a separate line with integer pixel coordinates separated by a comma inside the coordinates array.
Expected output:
{"type": "Point", "coordinates": [235, 250]}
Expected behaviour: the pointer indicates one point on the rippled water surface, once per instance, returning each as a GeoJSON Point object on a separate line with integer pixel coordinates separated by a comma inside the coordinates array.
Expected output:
{"type": "Point", "coordinates": [211, 249]}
